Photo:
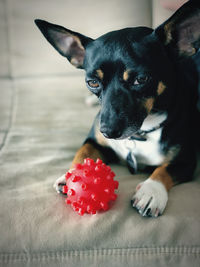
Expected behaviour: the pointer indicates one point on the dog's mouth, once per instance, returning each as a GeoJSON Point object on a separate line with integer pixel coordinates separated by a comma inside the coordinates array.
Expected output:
{"type": "Point", "coordinates": [130, 133]}
{"type": "Point", "coordinates": [140, 131]}
{"type": "Point", "coordinates": [137, 135]}
{"type": "Point", "coordinates": [140, 136]}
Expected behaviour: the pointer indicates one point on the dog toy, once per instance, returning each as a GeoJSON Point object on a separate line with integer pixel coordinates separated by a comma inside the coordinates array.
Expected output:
{"type": "Point", "coordinates": [90, 187]}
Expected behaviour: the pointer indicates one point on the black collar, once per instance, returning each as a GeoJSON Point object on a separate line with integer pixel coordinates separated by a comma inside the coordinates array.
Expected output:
{"type": "Point", "coordinates": [142, 135]}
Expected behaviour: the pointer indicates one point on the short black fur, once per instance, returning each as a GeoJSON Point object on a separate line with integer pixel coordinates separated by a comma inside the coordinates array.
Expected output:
{"type": "Point", "coordinates": [136, 72]}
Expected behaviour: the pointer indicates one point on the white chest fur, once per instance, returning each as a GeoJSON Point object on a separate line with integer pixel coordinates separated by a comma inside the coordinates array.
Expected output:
{"type": "Point", "coordinates": [145, 152]}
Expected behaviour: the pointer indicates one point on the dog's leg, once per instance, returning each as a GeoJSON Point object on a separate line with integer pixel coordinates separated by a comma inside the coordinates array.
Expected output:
{"type": "Point", "coordinates": [86, 151]}
{"type": "Point", "coordinates": [151, 196]}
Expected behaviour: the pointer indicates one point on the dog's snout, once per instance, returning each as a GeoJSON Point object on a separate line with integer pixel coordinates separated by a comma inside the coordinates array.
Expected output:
{"type": "Point", "coordinates": [108, 132]}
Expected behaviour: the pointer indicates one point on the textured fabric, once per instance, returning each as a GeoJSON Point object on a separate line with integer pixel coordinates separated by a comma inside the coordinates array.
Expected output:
{"type": "Point", "coordinates": [49, 122]}
{"type": "Point", "coordinates": [43, 121]}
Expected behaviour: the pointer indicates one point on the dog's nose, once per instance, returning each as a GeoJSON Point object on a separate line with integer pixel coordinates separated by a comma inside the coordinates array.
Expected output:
{"type": "Point", "coordinates": [110, 133]}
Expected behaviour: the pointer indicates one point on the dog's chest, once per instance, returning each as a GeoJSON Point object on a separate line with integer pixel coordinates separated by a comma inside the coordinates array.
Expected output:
{"type": "Point", "coordinates": [145, 152]}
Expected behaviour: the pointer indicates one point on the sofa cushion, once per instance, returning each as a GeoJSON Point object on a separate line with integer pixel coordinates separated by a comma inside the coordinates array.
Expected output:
{"type": "Point", "coordinates": [49, 122]}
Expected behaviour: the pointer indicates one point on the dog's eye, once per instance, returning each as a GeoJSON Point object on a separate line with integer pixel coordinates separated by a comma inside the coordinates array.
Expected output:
{"type": "Point", "coordinates": [142, 79]}
{"type": "Point", "coordinates": [93, 84]}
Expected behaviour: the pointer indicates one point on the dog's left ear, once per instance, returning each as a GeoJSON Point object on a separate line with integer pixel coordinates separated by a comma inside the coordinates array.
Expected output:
{"type": "Point", "coordinates": [68, 43]}
{"type": "Point", "coordinates": [181, 32]}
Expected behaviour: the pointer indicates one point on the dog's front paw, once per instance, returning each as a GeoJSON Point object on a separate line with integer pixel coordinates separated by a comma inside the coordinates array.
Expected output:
{"type": "Point", "coordinates": [150, 198]}
{"type": "Point", "coordinates": [59, 184]}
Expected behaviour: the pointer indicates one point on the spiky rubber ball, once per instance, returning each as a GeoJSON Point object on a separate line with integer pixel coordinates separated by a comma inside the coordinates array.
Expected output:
{"type": "Point", "coordinates": [90, 187]}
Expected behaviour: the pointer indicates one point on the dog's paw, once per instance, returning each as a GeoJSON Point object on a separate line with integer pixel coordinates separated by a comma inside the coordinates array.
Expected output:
{"type": "Point", "coordinates": [59, 184]}
{"type": "Point", "coordinates": [150, 198]}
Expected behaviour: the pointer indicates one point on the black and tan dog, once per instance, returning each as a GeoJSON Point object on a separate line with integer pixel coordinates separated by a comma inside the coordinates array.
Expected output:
{"type": "Point", "coordinates": [147, 84]}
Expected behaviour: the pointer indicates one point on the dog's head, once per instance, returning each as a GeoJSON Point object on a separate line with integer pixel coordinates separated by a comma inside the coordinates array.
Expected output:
{"type": "Point", "coordinates": [130, 69]}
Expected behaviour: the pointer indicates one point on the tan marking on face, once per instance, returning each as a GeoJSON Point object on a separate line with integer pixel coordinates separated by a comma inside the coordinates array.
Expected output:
{"type": "Point", "coordinates": [126, 75]}
{"type": "Point", "coordinates": [100, 74]}
{"type": "Point", "coordinates": [161, 174]}
{"type": "Point", "coordinates": [148, 104]}
{"type": "Point", "coordinates": [161, 88]}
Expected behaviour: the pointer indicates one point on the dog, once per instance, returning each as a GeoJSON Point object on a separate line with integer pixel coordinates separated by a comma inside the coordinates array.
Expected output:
{"type": "Point", "coordinates": [147, 84]}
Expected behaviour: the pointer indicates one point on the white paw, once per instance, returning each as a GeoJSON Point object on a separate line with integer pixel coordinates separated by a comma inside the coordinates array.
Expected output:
{"type": "Point", "coordinates": [59, 184]}
{"type": "Point", "coordinates": [150, 198]}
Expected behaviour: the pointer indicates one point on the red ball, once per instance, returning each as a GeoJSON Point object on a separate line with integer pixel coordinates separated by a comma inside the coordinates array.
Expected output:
{"type": "Point", "coordinates": [90, 187]}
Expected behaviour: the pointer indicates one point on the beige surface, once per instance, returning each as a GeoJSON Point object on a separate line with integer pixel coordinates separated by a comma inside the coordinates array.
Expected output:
{"type": "Point", "coordinates": [160, 14]}
{"type": "Point", "coordinates": [30, 54]}
{"type": "Point", "coordinates": [4, 54]}
{"type": "Point", "coordinates": [38, 228]}
{"type": "Point", "coordinates": [43, 121]}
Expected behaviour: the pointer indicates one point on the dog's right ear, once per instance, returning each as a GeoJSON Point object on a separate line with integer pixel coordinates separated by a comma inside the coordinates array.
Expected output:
{"type": "Point", "coordinates": [181, 32]}
{"type": "Point", "coordinates": [68, 43]}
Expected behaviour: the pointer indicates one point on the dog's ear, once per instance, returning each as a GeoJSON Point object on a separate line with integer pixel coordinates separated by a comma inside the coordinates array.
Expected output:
{"type": "Point", "coordinates": [68, 43]}
{"type": "Point", "coordinates": [181, 32]}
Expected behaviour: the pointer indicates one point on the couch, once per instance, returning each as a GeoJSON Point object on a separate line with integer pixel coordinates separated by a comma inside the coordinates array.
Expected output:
{"type": "Point", "coordinates": [43, 121]}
